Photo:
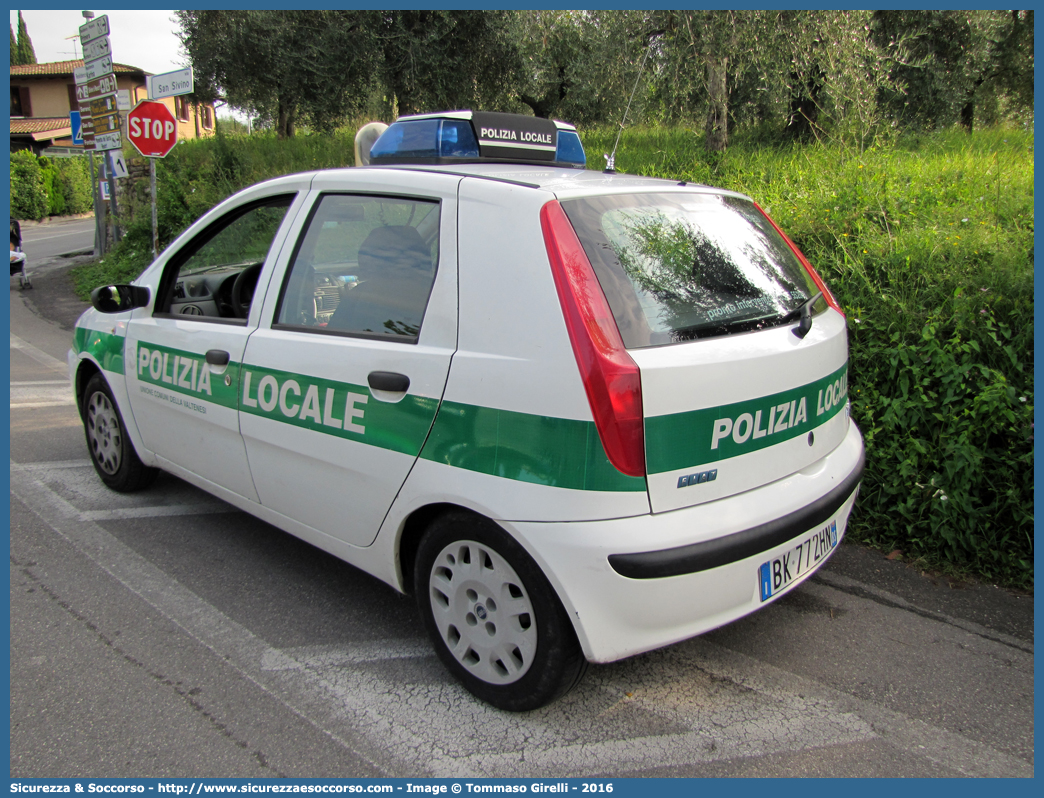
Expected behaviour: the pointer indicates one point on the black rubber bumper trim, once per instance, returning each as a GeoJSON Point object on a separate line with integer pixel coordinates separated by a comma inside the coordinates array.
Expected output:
{"type": "Point", "coordinates": [738, 546]}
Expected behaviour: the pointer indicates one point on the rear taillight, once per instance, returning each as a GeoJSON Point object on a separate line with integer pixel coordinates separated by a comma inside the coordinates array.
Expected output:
{"type": "Point", "coordinates": [827, 295]}
{"type": "Point", "coordinates": [610, 377]}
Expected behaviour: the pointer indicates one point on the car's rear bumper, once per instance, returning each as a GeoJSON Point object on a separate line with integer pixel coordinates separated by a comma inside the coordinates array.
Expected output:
{"type": "Point", "coordinates": [635, 584]}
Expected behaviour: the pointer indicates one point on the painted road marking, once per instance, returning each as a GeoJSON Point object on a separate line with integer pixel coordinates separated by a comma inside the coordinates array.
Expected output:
{"type": "Point", "coordinates": [42, 393]}
{"type": "Point", "coordinates": [38, 355]}
{"type": "Point", "coordinates": [386, 701]}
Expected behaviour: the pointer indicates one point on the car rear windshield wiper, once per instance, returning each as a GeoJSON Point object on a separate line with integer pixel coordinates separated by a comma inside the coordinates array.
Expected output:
{"type": "Point", "coordinates": [803, 312]}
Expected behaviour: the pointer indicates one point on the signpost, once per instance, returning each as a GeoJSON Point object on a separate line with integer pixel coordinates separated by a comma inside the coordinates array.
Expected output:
{"type": "Point", "coordinates": [98, 112]}
{"type": "Point", "coordinates": [153, 131]}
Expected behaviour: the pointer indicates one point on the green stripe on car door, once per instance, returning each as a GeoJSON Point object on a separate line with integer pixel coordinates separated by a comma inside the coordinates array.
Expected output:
{"type": "Point", "coordinates": [337, 408]}
{"type": "Point", "coordinates": [558, 452]}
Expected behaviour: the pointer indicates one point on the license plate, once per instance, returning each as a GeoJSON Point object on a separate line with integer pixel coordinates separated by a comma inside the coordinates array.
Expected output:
{"type": "Point", "coordinates": [776, 575]}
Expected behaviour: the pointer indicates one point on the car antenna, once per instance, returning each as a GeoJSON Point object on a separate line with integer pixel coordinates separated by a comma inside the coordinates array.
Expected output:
{"type": "Point", "coordinates": [610, 160]}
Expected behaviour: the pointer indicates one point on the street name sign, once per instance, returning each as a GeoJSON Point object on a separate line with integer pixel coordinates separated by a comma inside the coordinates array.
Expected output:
{"type": "Point", "coordinates": [169, 84]}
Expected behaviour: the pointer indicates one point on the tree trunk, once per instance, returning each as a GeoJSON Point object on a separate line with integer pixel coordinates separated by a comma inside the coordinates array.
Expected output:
{"type": "Point", "coordinates": [968, 116]}
{"type": "Point", "coordinates": [285, 122]}
{"type": "Point", "coordinates": [718, 104]}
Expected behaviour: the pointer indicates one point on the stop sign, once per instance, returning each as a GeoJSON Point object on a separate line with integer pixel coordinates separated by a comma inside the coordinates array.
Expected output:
{"type": "Point", "coordinates": [152, 129]}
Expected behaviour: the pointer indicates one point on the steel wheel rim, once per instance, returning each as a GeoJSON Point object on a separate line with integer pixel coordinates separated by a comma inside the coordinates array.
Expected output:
{"type": "Point", "coordinates": [103, 433]}
{"type": "Point", "coordinates": [483, 612]}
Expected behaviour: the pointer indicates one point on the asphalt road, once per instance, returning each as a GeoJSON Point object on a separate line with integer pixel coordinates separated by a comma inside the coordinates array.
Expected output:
{"type": "Point", "coordinates": [45, 242]}
{"type": "Point", "coordinates": [167, 634]}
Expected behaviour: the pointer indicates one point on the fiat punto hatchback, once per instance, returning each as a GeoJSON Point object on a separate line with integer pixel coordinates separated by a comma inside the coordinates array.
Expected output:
{"type": "Point", "coordinates": [579, 415]}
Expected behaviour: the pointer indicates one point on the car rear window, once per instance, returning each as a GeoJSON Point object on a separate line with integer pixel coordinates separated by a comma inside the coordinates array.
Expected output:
{"type": "Point", "coordinates": [677, 267]}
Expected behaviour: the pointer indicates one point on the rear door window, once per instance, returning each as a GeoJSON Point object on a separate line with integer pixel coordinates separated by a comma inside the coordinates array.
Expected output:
{"type": "Point", "coordinates": [365, 266]}
{"type": "Point", "coordinates": [677, 267]}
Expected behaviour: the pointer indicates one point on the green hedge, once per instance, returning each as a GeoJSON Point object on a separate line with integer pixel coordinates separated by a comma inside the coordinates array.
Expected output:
{"type": "Point", "coordinates": [73, 182]}
{"type": "Point", "coordinates": [49, 187]}
{"type": "Point", "coordinates": [29, 198]}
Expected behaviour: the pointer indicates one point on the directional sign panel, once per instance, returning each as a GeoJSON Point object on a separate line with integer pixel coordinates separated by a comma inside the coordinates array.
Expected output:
{"type": "Point", "coordinates": [80, 75]}
{"type": "Point", "coordinates": [92, 51]}
{"type": "Point", "coordinates": [104, 106]}
{"type": "Point", "coordinates": [96, 69]}
{"type": "Point", "coordinates": [94, 29]}
{"type": "Point", "coordinates": [106, 124]}
{"type": "Point", "coordinates": [108, 141]}
{"type": "Point", "coordinates": [96, 88]}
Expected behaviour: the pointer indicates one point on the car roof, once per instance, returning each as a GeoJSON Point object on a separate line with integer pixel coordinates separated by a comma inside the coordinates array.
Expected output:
{"type": "Point", "coordinates": [562, 181]}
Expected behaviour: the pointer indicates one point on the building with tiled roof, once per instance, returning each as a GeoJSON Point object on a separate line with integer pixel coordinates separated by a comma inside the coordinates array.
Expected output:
{"type": "Point", "coordinates": [42, 95]}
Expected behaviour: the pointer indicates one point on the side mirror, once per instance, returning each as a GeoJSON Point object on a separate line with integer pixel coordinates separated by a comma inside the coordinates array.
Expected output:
{"type": "Point", "coordinates": [118, 298]}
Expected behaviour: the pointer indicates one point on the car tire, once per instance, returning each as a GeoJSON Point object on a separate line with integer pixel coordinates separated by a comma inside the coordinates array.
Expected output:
{"type": "Point", "coordinates": [492, 616]}
{"type": "Point", "coordinates": [111, 449]}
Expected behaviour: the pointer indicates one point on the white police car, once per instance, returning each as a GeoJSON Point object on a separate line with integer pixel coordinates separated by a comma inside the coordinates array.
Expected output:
{"type": "Point", "coordinates": [580, 415]}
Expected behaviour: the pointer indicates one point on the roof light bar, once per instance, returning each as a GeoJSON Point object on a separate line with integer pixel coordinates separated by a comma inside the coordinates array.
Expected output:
{"type": "Point", "coordinates": [467, 136]}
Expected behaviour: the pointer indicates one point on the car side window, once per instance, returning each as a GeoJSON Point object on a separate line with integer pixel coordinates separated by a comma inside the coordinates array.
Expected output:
{"type": "Point", "coordinates": [364, 267]}
{"type": "Point", "coordinates": [214, 276]}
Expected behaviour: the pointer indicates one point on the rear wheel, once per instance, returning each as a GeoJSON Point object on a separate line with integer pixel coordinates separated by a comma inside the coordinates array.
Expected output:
{"type": "Point", "coordinates": [111, 450]}
{"type": "Point", "coordinates": [493, 617]}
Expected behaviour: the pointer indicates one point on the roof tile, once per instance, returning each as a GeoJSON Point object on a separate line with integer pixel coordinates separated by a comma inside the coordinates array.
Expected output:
{"type": "Point", "coordinates": [61, 68]}
{"type": "Point", "coordinates": [39, 124]}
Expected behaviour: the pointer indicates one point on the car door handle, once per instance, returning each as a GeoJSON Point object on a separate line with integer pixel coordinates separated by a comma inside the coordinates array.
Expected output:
{"type": "Point", "coordinates": [388, 381]}
{"type": "Point", "coordinates": [217, 357]}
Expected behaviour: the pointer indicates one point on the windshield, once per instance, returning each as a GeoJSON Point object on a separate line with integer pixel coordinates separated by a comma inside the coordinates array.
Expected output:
{"type": "Point", "coordinates": [676, 267]}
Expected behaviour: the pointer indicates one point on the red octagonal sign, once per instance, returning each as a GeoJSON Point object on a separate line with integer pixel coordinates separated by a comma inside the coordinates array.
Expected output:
{"type": "Point", "coordinates": [152, 129]}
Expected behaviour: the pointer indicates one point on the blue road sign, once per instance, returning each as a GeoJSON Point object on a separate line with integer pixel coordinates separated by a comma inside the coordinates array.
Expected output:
{"type": "Point", "coordinates": [77, 127]}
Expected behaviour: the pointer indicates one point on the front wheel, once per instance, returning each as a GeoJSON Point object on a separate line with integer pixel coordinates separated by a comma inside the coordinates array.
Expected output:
{"type": "Point", "coordinates": [111, 450]}
{"type": "Point", "coordinates": [493, 617]}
